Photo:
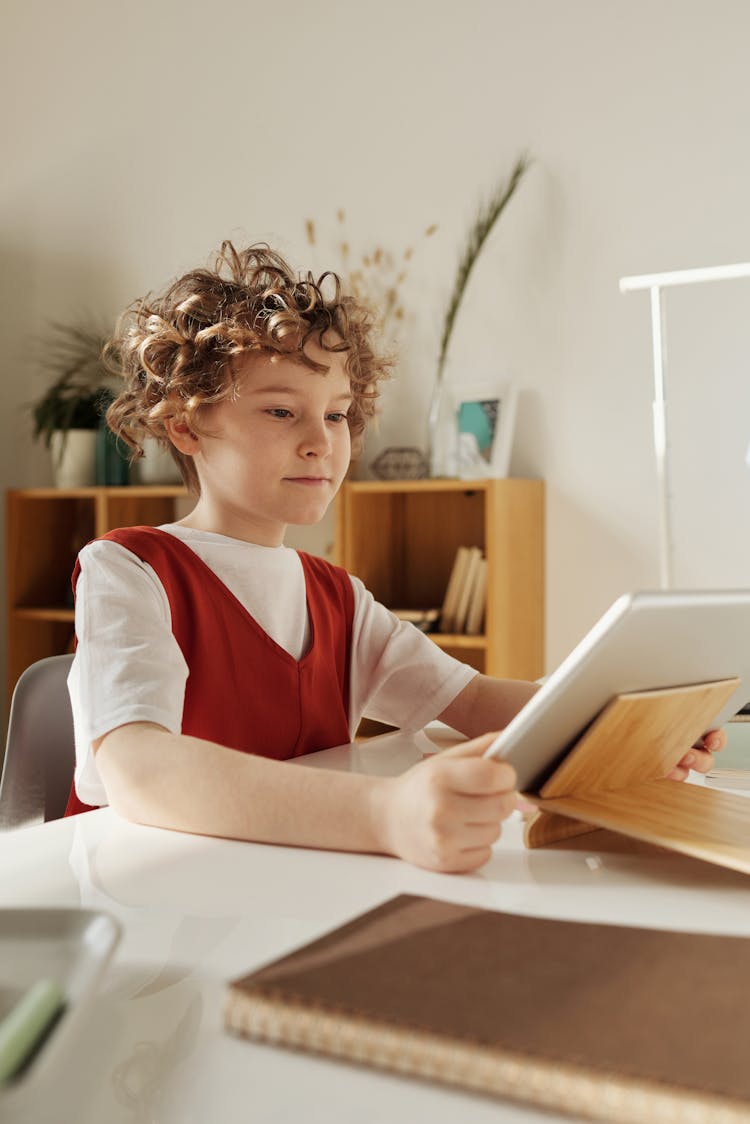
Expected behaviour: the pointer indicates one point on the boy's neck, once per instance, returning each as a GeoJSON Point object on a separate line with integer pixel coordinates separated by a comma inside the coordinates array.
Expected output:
{"type": "Point", "coordinates": [234, 525]}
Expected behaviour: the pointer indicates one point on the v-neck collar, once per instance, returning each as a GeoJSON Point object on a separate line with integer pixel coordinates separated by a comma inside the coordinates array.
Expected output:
{"type": "Point", "coordinates": [214, 577]}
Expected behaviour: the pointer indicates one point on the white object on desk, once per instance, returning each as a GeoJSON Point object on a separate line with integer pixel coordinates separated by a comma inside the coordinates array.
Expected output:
{"type": "Point", "coordinates": [68, 946]}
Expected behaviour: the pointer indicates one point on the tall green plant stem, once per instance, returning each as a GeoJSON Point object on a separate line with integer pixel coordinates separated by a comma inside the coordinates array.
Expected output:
{"type": "Point", "coordinates": [488, 215]}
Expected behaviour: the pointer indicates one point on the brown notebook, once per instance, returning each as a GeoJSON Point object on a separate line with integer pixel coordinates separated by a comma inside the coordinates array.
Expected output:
{"type": "Point", "coordinates": [601, 1021]}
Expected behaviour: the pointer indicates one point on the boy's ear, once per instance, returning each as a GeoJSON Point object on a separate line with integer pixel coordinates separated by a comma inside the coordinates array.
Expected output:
{"type": "Point", "coordinates": [182, 436]}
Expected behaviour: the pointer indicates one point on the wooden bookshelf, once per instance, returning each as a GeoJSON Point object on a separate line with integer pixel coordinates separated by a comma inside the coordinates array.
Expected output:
{"type": "Point", "coordinates": [46, 527]}
{"type": "Point", "coordinates": [400, 537]}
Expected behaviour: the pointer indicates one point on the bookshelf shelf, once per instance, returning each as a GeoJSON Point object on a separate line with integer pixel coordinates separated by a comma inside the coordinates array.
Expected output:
{"type": "Point", "coordinates": [453, 640]}
{"type": "Point", "coordinates": [46, 527]}
{"type": "Point", "coordinates": [400, 537]}
{"type": "Point", "coordinates": [44, 614]}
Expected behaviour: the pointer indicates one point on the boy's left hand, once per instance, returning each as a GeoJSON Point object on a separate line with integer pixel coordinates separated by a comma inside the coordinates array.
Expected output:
{"type": "Point", "coordinates": [701, 756]}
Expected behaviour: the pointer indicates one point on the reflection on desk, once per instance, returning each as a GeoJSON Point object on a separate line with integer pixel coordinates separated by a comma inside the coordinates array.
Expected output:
{"type": "Point", "coordinates": [197, 912]}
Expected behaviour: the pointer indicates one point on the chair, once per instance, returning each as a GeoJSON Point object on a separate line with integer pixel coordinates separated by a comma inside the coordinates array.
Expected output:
{"type": "Point", "coordinates": [40, 750]}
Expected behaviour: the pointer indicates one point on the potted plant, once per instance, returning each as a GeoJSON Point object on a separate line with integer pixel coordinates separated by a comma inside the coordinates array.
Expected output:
{"type": "Point", "coordinates": [70, 413]}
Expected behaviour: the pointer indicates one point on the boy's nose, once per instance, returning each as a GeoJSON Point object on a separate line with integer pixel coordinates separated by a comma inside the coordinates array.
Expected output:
{"type": "Point", "coordinates": [316, 441]}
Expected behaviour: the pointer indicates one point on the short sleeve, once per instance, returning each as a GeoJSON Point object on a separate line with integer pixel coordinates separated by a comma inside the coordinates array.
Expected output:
{"type": "Point", "coordinates": [398, 675]}
{"type": "Point", "coordinates": [128, 666]}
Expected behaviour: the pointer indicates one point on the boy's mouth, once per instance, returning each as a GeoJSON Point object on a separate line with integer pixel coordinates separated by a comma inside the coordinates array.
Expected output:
{"type": "Point", "coordinates": [308, 480]}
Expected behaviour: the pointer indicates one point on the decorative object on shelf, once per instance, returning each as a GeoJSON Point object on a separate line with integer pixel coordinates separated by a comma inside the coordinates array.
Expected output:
{"type": "Point", "coordinates": [400, 464]}
{"type": "Point", "coordinates": [70, 412]}
{"type": "Point", "coordinates": [112, 459]}
{"type": "Point", "coordinates": [441, 420]}
{"type": "Point", "coordinates": [485, 416]}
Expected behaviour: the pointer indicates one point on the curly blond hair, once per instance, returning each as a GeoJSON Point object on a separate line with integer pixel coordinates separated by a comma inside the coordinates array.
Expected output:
{"type": "Point", "coordinates": [176, 352]}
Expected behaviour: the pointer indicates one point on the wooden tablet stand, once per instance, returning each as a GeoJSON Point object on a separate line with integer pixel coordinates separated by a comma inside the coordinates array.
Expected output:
{"type": "Point", "coordinates": [615, 777]}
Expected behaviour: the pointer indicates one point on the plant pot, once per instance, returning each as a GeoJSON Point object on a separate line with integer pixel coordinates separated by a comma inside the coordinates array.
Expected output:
{"type": "Point", "coordinates": [73, 458]}
{"type": "Point", "coordinates": [156, 465]}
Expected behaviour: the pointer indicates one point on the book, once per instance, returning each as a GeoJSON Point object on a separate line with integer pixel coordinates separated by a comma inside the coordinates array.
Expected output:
{"type": "Point", "coordinates": [603, 1021]}
{"type": "Point", "coordinates": [467, 587]}
{"type": "Point", "coordinates": [453, 589]}
{"type": "Point", "coordinates": [478, 600]}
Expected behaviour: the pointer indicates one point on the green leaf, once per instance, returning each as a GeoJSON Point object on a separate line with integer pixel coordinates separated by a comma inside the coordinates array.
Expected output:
{"type": "Point", "coordinates": [479, 232]}
{"type": "Point", "coordinates": [77, 398]}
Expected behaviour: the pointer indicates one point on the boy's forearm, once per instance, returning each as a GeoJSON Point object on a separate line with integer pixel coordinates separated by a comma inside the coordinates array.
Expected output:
{"type": "Point", "coordinates": [187, 784]}
{"type": "Point", "coordinates": [487, 704]}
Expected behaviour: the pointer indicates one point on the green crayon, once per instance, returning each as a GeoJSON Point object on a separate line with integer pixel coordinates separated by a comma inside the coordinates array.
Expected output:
{"type": "Point", "coordinates": [24, 1026]}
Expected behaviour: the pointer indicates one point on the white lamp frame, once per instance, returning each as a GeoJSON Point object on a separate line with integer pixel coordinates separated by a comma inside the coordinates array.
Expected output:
{"type": "Point", "coordinates": [655, 282]}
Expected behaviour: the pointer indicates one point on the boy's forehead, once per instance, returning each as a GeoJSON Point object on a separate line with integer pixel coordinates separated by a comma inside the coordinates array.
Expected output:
{"type": "Point", "coordinates": [273, 369]}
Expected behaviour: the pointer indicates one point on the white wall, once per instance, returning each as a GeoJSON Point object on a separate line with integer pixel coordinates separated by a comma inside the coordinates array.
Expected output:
{"type": "Point", "coordinates": [144, 133]}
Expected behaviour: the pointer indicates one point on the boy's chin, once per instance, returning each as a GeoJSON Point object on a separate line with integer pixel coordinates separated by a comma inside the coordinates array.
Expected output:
{"type": "Point", "coordinates": [309, 518]}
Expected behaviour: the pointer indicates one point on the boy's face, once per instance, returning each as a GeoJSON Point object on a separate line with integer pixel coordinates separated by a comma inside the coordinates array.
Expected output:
{"type": "Point", "coordinates": [278, 452]}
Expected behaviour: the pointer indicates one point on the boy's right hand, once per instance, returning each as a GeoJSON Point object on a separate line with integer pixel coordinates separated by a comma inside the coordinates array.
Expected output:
{"type": "Point", "coordinates": [446, 812]}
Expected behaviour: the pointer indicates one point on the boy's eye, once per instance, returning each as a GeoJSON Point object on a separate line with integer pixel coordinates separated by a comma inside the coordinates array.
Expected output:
{"type": "Point", "coordinates": [282, 412]}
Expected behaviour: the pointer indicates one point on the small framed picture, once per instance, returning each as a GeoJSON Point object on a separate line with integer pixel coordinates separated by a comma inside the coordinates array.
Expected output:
{"type": "Point", "coordinates": [485, 420]}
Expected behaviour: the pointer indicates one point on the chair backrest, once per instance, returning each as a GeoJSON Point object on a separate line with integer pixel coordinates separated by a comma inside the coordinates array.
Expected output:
{"type": "Point", "coordinates": [39, 751]}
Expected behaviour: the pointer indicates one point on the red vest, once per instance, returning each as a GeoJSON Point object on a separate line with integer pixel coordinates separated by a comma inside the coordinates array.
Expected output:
{"type": "Point", "coordinates": [243, 690]}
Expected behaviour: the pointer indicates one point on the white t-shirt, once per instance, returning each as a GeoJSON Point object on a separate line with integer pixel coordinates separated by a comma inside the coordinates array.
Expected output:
{"type": "Point", "coordinates": [129, 668]}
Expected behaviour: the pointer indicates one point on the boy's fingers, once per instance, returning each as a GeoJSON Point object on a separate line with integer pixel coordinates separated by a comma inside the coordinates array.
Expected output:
{"type": "Point", "coordinates": [697, 759]}
{"type": "Point", "coordinates": [476, 810]}
{"type": "Point", "coordinates": [712, 740]}
{"type": "Point", "coordinates": [475, 748]}
{"type": "Point", "coordinates": [466, 861]}
{"type": "Point", "coordinates": [480, 777]}
{"type": "Point", "coordinates": [480, 835]}
{"type": "Point", "coordinates": [465, 769]}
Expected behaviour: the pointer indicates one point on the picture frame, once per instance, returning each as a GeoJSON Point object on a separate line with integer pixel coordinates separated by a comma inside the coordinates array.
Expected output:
{"type": "Point", "coordinates": [485, 418]}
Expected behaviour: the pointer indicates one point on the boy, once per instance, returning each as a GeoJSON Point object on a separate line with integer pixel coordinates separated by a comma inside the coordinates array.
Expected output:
{"type": "Point", "coordinates": [208, 637]}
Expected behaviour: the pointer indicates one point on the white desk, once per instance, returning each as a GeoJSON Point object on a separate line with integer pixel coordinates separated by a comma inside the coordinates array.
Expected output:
{"type": "Point", "coordinates": [196, 912]}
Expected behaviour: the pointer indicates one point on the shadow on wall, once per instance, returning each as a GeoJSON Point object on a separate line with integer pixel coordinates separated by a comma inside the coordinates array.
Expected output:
{"type": "Point", "coordinates": [532, 436]}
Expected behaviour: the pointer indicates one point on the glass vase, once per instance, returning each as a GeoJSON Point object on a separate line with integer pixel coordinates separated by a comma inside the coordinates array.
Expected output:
{"type": "Point", "coordinates": [442, 433]}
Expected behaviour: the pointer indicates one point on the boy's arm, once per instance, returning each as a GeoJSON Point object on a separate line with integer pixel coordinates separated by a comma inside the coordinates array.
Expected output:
{"type": "Point", "coordinates": [443, 814]}
{"type": "Point", "coordinates": [487, 704]}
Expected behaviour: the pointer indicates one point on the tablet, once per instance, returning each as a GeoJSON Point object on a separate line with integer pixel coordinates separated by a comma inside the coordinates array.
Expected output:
{"type": "Point", "coordinates": [644, 642]}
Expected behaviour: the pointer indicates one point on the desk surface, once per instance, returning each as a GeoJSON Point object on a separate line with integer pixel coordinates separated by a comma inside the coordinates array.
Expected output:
{"type": "Point", "coordinates": [197, 912]}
